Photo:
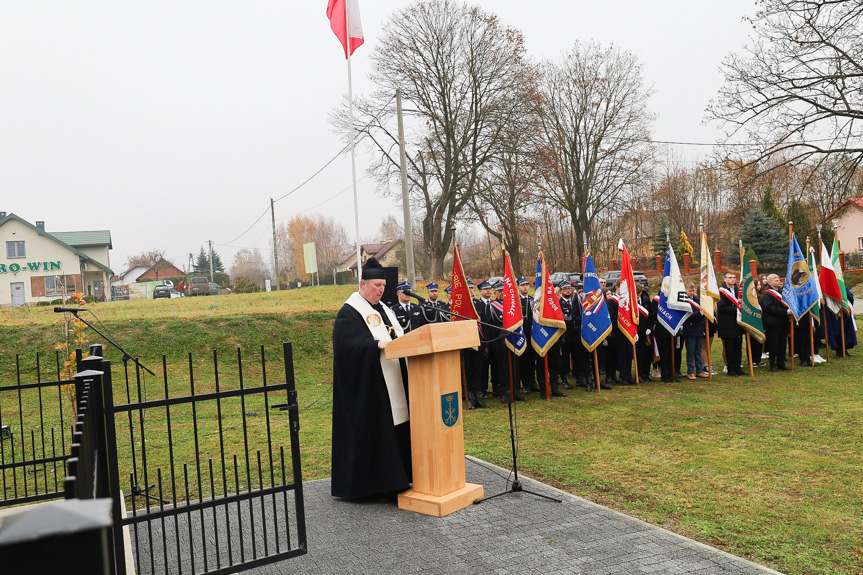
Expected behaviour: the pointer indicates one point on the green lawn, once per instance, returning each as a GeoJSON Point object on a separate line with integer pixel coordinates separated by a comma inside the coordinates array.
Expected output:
{"type": "Point", "coordinates": [767, 468]}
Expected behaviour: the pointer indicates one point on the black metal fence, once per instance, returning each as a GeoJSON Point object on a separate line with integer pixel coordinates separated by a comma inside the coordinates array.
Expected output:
{"type": "Point", "coordinates": [203, 472]}
{"type": "Point", "coordinates": [36, 419]}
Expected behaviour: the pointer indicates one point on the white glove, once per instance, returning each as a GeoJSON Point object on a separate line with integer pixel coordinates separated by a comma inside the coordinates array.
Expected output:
{"type": "Point", "coordinates": [636, 337]}
{"type": "Point", "coordinates": [382, 344]}
{"type": "Point", "coordinates": [647, 332]}
{"type": "Point", "coordinates": [788, 312]}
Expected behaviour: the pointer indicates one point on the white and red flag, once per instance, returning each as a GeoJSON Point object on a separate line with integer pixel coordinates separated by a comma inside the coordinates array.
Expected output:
{"type": "Point", "coordinates": [627, 311]}
{"type": "Point", "coordinates": [829, 283]}
{"type": "Point", "coordinates": [345, 21]}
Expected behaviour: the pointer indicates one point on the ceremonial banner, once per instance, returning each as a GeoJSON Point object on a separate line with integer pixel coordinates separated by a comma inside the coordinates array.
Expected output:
{"type": "Point", "coordinates": [677, 298]}
{"type": "Point", "coordinates": [460, 298]}
{"type": "Point", "coordinates": [338, 13]}
{"type": "Point", "coordinates": [749, 313]}
{"type": "Point", "coordinates": [595, 321]}
{"type": "Point", "coordinates": [512, 318]}
{"type": "Point", "coordinates": [671, 318]}
{"type": "Point", "coordinates": [816, 309]}
{"type": "Point", "coordinates": [708, 292]}
{"type": "Point", "coordinates": [829, 283]}
{"type": "Point", "coordinates": [627, 314]}
{"type": "Point", "coordinates": [840, 277]}
{"type": "Point", "coordinates": [799, 292]}
{"type": "Point", "coordinates": [548, 324]}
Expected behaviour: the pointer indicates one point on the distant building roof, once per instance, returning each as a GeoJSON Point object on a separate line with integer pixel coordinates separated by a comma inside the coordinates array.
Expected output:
{"type": "Point", "coordinates": [857, 202]}
{"type": "Point", "coordinates": [85, 239]}
{"type": "Point", "coordinates": [373, 251]}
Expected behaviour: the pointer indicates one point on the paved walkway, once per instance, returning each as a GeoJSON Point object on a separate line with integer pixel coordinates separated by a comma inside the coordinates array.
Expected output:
{"type": "Point", "coordinates": [515, 533]}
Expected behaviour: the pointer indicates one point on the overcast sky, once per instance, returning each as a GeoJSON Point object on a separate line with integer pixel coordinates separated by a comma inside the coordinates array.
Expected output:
{"type": "Point", "coordinates": [173, 123]}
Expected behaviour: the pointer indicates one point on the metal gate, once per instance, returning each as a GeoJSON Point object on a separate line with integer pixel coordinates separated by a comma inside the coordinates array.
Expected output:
{"type": "Point", "coordinates": [209, 486]}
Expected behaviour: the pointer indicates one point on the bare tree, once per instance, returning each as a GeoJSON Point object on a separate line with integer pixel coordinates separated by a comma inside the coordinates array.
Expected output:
{"type": "Point", "coordinates": [595, 132]}
{"type": "Point", "coordinates": [457, 67]}
{"type": "Point", "coordinates": [506, 189]}
{"type": "Point", "coordinates": [250, 264]}
{"type": "Point", "coordinates": [798, 87]}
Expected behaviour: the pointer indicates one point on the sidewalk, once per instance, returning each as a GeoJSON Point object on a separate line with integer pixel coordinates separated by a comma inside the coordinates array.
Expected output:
{"type": "Point", "coordinates": [515, 533]}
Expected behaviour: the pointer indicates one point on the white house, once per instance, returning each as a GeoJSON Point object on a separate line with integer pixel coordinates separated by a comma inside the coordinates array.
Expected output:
{"type": "Point", "coordinates": [42, 266]}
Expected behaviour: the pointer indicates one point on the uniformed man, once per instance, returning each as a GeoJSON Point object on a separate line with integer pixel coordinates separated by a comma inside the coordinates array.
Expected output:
{"type": "Point", "coordinates": [409, 315]}
{"type": "Point", "coordinates": [434, 310]}
{"type": "Point", "coordinates": [499, 353]}
{"type": "Point", "coordinates": [528, 360]}
{"type": "Point", "coordinates": [571, 309]}
{"type": "Point", "coordinates": [556, 366]}
{"type": "Point", "coordinates": [644, 345]}
{"type": "Point", "coordinates": [619, 346]}
{"type": "Point", "coordinates": [483, 310]}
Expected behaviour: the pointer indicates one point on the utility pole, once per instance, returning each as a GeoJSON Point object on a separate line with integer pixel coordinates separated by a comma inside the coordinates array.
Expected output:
{"type": "Point", "coordinates": [211, 260]}
{"type": "Point", "coordinates": [409, 236]}
{"type": "Point", "coordinates": [275, 246]}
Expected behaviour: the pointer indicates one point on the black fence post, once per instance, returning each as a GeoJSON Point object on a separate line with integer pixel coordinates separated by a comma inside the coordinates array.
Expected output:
{"type": "Point", "coordinates": [294, 422]}
{"type": "Point", "coordinates": [112, 474]}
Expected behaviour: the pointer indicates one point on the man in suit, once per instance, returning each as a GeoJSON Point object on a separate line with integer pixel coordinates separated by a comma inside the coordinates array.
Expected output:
{"type": "Point", "coordinates": [729, 331]}
{"type": "Point", "coordinates": [775, 314]}
{"type": "Point", "coordinates": [409, 315]}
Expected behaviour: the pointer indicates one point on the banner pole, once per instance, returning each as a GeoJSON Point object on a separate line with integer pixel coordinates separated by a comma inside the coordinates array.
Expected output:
{"type": "Point", "coordinates": [749, 354]}
{"type": "Point", "coordinates": [596, 371]}
{"type": "Point", "coordinates": [353, 154]}
{"type": "Point", "coordinates": [790, 236]}
{"type": "Point", "coordinates": [635, 361]}
{"type": "Point", "coordinates": [842, 329]}
{"type": "Point", "coordinates": [547, 393]}
{"type": "Point", "coordinates": [811, 341]}
{"type": "Point", "coordinates": [707, 341]}
{"type": "Point", "coordinates": [826, 337]}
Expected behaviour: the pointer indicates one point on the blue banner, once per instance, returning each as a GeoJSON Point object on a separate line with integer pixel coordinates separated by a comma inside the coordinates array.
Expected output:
{"type": "Point", "coordinates": [670, 318]}
{"type": "Point", "coordinates": [595, 321]}
{"type": "Point", "coordinates": [541, 337]}
{"type": "Point", "coordinates": [800, 293]}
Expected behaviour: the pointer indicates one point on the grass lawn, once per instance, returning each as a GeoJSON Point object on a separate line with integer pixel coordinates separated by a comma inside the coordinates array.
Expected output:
{"type": "Point", "coordinates": [767, 468]}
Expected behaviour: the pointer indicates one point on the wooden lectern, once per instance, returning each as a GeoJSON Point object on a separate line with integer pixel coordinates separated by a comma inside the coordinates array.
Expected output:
{"type": "Point", "coordinates": [437, 433]}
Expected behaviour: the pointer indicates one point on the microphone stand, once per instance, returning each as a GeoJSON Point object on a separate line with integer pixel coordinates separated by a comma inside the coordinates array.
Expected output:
{"type": "Point", "coordinates": [516, 486]}
{"type": "Point", "coordinates": [136, 490]}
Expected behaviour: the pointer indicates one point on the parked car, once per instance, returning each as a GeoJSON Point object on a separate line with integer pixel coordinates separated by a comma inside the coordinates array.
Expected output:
{"type": "Point", "coordinates": [213, 288]}
{"type": "Point", "coordinates": [493, 280]}
{"type": "Point", "coordinates": [162, 291]}
{"type": "Point", "coordinates": [569, 276]}
{"type": "Point", "coordinates": [611, 279]}
{"type": "Point", "coordinates": [199, 286]}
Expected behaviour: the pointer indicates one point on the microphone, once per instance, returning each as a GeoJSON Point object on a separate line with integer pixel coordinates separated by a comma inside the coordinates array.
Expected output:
{"type": "Point", "coordinates": [68, 309]}
{"type": "Point", "coordinates": [419, 298]}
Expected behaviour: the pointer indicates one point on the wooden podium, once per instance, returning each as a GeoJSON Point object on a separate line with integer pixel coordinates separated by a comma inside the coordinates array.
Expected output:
{"type": "Point", "coordinates": [437, 433]}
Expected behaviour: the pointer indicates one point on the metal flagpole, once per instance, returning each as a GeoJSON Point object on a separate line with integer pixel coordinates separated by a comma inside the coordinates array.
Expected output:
{"type": "Point", "coordinates": [791, 235]}
{"type": "Point", "coordinates": [742, 295]}
{"type": "Point", "coordinates": [353, 155]}
{"type": "Point", "coordinates": [842, 310]}
{"type": "Point", "coordinates": [706, 321]}
{"type": "Point", "coordinates": [811, 322]}
{"type": "Point", "coordinates": [823, 303]}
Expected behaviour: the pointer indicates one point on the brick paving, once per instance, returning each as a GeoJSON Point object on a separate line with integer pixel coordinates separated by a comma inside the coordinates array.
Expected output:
{"type": "Point", "coordinates": [515, 533]}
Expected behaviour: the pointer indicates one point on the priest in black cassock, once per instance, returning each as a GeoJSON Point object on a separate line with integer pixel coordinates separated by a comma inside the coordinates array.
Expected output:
{"type": "Point", "coordinates": [371, 432]}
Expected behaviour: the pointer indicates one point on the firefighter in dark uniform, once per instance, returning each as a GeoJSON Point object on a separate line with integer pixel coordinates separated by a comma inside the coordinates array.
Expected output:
{"type": "Point", "coordinates": [527, 361]}
{"type": "Point", "coordinates": [434, 311]}
{"type": "Point", "coordinates": [410, 315]}
{"type": "Point", "coordinates": [483, 309]}
{"type": "Point", "coordinates": [473, 362]}
{"type": "Point", "coordinates": [571, 362]}
{"type": "Point", "coordinates": [644, 345]}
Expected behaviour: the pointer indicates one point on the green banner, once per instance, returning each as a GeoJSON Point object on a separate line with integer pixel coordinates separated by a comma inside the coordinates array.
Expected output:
{"type": "Point", "coordinates": [749, 314]}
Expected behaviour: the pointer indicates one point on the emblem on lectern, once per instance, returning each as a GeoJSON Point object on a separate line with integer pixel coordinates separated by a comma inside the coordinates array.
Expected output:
{"type": "Point", "coordinates": [449, 408]}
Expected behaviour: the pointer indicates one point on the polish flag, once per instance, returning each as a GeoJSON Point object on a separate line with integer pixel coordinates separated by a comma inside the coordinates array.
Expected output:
{"type": "Point", "coordinates": [341, 11]}
{"type": "Point", "coordinates": [829, 283]}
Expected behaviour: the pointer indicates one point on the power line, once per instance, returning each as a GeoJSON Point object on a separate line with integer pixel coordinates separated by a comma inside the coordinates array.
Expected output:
{"type": "Point", "coordinates": [310, 178]}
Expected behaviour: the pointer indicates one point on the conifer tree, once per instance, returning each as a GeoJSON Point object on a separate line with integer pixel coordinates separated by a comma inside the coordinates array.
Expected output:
{"type": "Point", "coordinates": [769, 241]}
{"type": "Point", "coordinates": [768, 206]}
{"type": "Point", "coordinates": [202, 263]}
{"type": "Point", "coordinates": [686, 248]}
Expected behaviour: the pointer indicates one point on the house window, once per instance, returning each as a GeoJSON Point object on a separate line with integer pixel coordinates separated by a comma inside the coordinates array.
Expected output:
{"type": "Point", "coordinates": [15, 250]}
{"type": "Point", "coordinates": [60, 285]}
{"type": "Point", "coordinates": [860, 243]}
